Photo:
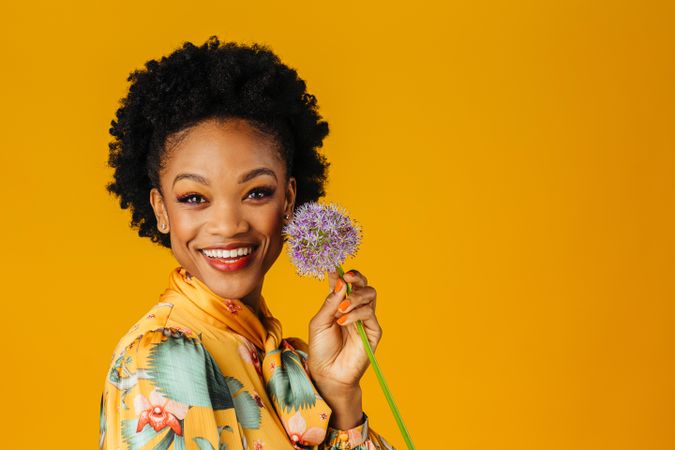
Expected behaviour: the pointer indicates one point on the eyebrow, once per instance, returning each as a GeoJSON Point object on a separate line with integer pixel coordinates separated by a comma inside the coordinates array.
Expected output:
{"type": "Point", "coordinates": [257, 172]}
{"type": "Point", "coordinates": [243, 179]}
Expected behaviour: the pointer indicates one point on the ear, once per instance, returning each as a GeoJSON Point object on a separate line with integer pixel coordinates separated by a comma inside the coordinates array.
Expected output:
{"type": "Point", "coordinates": [158, 206]}
{"type": "Point", "coordinates": [291, 191]}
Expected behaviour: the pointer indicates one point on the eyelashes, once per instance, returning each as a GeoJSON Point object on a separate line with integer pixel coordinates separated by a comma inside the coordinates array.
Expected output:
{"type": "Point", "coordinates": [188, 198]}
{"type": "Point", "coordinates": [268, 192]}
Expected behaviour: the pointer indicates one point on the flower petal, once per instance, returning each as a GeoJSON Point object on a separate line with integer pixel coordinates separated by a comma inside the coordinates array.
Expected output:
{"type": "Point", "coordinates": [245, 353]}
{"type": "Point", "coordinates": [142, 421]}
{"type": "Point", "coordinates": [314, 436]}
{"type": "Point", "coordinates": [174, 424]}
{"type": "Point", "coordinates": [177, 409]}
{"type": "Point", "coordinates": [297, 423]}
{"type": "Point", "coordinates": [156, 398]}
{"type": "Point", "coordinates": [141, 403]}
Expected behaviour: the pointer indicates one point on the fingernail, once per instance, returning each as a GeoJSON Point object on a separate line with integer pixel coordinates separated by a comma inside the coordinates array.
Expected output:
{"type": "Point", "coordinates": [338, 285]}
{"type": "Point", "coordinates": [344, 305]}
{"type": "Point", "coordinates": [342, 320]}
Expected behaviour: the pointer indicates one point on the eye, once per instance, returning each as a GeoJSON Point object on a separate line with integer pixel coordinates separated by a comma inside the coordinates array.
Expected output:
{"type": "Point", "coordinates": [189, 199]}
{"type": "Point", "coordinates": [261, 193]}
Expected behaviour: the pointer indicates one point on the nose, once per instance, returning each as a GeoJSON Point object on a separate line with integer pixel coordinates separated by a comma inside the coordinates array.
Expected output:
{"type": "Point", "coordinates": [226, 220]}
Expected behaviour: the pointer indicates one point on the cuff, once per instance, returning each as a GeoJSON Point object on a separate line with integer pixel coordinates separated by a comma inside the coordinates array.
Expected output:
{"type": "Point", "coordinates": [346, 439]}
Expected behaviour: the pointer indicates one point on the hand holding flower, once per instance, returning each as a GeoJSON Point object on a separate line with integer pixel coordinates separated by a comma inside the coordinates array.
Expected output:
{"type": "Point", "coordinates": [337, 358]}
{"type": "Point", "coordinates": [336, 353]}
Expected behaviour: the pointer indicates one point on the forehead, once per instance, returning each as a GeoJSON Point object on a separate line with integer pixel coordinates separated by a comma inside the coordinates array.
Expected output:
{"type": "Point", "coordinates": [221, 149]}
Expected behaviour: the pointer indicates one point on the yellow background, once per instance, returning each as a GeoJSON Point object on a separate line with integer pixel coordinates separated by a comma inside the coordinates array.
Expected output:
{"type": "Point", "coordinates": [512, 165]}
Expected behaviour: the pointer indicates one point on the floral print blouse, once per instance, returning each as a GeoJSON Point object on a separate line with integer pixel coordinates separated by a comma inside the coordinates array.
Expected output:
{"type": "Point", "coordinates": [202, 372]}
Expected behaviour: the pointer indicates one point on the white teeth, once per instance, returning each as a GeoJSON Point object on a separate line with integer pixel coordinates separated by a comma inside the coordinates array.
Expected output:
{"type": "Point", "coordinates": [228, 253]}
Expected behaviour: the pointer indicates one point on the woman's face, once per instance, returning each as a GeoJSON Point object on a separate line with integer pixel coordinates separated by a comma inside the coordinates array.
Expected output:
{"type": "Point", "coordinates": [224, 183]}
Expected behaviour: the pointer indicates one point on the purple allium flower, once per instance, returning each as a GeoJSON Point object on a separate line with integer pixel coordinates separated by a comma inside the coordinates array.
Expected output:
{"type": "Point", "coordinates": [320, 237]}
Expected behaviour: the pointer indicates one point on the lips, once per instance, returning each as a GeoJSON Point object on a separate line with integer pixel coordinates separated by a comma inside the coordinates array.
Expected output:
{"type": "Point", "coordinates": [230, 264]}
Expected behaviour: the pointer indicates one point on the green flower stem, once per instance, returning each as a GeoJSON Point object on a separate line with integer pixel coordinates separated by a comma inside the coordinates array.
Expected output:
{"type": "Point", "coordinates": [378, 372]}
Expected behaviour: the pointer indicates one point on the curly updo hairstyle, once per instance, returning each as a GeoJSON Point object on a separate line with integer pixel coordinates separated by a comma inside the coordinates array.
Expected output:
{"type": "Point", "coordinates": [215, 80]}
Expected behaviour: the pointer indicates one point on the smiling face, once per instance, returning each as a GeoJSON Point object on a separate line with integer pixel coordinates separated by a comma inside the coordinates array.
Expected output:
{"type": "Point", "coordinates": [224, 182]}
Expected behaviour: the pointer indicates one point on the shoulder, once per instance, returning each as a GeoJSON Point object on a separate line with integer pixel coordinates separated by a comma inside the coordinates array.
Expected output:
{"type": "Point", "coordinates": [149, 340]}
{"type": "Point", "coordinates": [142, 340]}
{"type": "Point", "coordinates": [174, 362]}
{"type": "Point", "coordinates": [154, 321]}
{"type": "Point", "coordinates": [165, 367]}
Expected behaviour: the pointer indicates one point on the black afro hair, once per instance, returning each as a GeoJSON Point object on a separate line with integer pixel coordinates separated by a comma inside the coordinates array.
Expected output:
{"type": "Point", "coordinates": [225, 80]}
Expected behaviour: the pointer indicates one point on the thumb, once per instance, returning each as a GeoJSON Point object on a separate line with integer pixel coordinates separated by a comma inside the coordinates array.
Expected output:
{"type": "Point", "coordinates": [332, 279]}
{"type": "Point", "coordinates": [326, 315]}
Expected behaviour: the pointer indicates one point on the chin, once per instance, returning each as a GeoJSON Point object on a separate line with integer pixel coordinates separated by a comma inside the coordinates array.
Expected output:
{"type": "Point", "coordinates": [231, 288]}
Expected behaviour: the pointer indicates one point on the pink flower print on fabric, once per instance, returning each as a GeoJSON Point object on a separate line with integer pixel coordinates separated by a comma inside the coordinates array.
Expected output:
{"type": "Point", "coordinates": [232, 306]}
{"type": "Point", "coordinates": [299, 434]}
{"type": "Point", "coordinates": [249, 353]}
{"type": "Point", "coordinates": [258, 445]}
{"type": "Point", "coordinates": [355, 436]}
{"type": "Point", "coordinates": [159, 412]}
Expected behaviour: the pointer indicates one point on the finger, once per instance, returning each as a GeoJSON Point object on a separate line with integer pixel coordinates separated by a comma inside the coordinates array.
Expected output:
{"type": "Point", "coordinates": [362, 296]}
{"type": "Point", "coordinates": [355, 277]}
{"type": "Point", "coordinates": [325, 317]}
{"type": "Point", "coordinates": [370, 324]}
{"type": "Point", "coordinates": [365, 313]}
{"type": "Point", "coordinates": [332, 278]}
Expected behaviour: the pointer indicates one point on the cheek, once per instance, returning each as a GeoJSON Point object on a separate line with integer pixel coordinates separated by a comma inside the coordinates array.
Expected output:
{"type": "Point", "coordinates": [269, 222]}
{"type": "Point", "coordinates": [183, 226]}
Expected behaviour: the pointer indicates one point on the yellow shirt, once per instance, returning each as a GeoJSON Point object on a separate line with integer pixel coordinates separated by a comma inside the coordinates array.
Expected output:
{"type": "Point", "coordinates": [202, 372]}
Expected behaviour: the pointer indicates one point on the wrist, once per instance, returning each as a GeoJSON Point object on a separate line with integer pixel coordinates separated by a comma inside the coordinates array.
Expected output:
{"type": "Point", "coordinates": [345, 402]}
{"type": "Point", "coordinates": [346, 421]}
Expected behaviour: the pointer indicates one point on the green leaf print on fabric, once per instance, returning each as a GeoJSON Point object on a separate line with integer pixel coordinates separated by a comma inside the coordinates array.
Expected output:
{"type": "Point", "coordinates": [248, 412]}
{"type": "Point", "coordinates": [245, 406]}
{"type": "Point", "coordinates": [184, 371]}
{"type": "Point", "coordinates": [203, 443]}
{"type": "Point", "coordinates": [135, 440]}
{"type": "Point", "coordinates": [289, 384]}
{"type": "Point", "coordinates": [223, 445]}
{"type": "Point", "coordinates": [122, 378]}
{"type": "Point", "coordinates": [165, 442]}
{"type": "Point", "coordinates": [179, 443]}
{"type": "Point", "coordinates": [117, 369]}
{"type": "Point", "coordinates": [302, 354]}
{"type": "Point", "coordinates": [219, 390]}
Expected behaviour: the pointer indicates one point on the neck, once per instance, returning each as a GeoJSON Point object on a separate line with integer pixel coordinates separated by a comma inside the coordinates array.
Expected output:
{"type": "Point", "coordinates": [252, 300]}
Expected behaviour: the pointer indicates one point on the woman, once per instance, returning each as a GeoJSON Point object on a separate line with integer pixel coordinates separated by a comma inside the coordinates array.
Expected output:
{"type": "Point", "coordinates": [214, 146]}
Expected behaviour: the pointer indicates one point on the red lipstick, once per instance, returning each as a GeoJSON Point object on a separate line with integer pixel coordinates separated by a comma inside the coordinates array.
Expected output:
{"type": "Point", "coordinates": [230, 264]}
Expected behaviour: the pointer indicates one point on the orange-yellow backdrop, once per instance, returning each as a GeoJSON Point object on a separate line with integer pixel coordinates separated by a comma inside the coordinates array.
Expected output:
{"type": "Point", "coordinates": [512, 165]}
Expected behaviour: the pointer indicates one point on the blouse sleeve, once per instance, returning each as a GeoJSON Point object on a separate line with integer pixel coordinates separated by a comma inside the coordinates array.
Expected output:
{"type": "Point", "coordinates": [361, 437]}
{"type": "Point", "coordinates": [165, 391]}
